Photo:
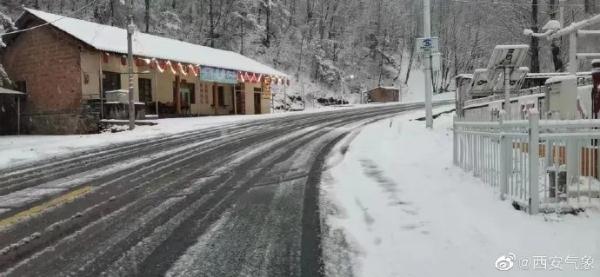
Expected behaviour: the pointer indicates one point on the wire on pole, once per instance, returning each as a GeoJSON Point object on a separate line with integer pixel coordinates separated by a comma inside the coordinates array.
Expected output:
{"type": "Point", "coordinates": [49, 22]}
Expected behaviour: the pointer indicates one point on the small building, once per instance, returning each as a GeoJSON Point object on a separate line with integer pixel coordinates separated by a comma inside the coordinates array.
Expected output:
{"type": "Point", "coordinates": [67, 65]}
{"type": "Point", "coordinates": [384, 94]}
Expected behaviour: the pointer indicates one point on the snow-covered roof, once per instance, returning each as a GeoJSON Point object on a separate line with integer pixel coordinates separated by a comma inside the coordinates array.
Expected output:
{"type": "Point", "coordinates": [555, 74]}
{"type": "Point", "coordinates": [464, 76]}
{"type": "Point", "coordinates": [558, 79]}
{"type": "Point", "coordinates": [552, 25]}
{"type": "Point", "coordinates": [113, 39]}
{"type": "Point", "coordinates": [512, 46]}
{"type": "Point", "coordinates": [10, 91]}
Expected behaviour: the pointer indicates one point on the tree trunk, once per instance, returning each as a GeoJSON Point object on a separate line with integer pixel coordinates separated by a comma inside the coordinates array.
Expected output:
{"type": "Point", "coordinates": [300, 59]}
{"type": "Point", "coordinates": [241, 36]}
{"type": "Point", "coordinates": [268, 23]}
{"type": "Point", "coordinates": [147, 15]}
{"type": "Point", "coordinates": [534, 45]}
{"type": "Point", "coordinates": [590, 6]}
{"type": "Point", "coordinates": [410, 62]}
{"type": "Point", "coordinates": [559, 65]}
{"type": "Point", "coordinates": [211, 17]}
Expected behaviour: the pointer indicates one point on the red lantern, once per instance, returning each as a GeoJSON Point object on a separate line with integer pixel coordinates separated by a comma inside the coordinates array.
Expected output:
{"type": "Point", "coordinates": [105, 57]}
{"type": "Point", "coordinates": [123, 60]}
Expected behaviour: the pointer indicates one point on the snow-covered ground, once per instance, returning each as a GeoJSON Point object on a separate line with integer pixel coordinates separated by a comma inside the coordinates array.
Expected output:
{"type": "Point", "coordinates": [15, 150]}
{"type": "Point", "coordinates": [416, 86]}
{"type": "Point", "coordinates": [394, 205]}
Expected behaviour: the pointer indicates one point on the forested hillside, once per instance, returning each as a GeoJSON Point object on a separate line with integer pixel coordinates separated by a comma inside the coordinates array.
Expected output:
{"type": "Point", "coordinates": [321, 43]}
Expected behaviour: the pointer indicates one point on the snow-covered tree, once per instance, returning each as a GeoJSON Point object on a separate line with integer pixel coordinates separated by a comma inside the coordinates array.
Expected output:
{"type": "Point", "coordinates": [325, 41]}
{"type": "Point", "coordinates": [6, 25]}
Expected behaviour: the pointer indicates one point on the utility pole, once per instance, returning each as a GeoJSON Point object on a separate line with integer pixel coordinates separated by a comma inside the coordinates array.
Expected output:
{"type": "Point", "coordinates": [535, 44]}
{"type": "Point", "coordinates": [130, 30]}
{"type": "Point", "coordinates": [428, 92]}
{"type": "Point", "coordinates": [507, 72]}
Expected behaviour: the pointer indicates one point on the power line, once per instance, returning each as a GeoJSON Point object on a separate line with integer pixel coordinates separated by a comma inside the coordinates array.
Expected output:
{"type": "Point", "coordinates": [50, 22]}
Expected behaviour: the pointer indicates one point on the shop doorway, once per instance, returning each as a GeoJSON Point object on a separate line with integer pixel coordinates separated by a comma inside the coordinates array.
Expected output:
{"type": "Point", "coordinates": [257, 103]}
{"type": "Point", "coordinates": [186, 97]}
{"type": "Point", "coordinates": [239, 104]}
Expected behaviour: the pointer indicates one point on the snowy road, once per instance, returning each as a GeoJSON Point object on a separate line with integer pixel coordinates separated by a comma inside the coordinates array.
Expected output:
{"type": "Point", "coordinates": [236, 200]}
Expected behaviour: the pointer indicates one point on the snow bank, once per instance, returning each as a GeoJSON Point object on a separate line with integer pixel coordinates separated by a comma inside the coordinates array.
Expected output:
{"type": "Point", "coordinates": [396, 206]}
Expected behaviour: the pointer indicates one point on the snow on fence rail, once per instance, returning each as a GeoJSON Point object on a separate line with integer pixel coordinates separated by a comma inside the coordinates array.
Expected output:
{"type": "Point", "coordinates": [561, 174]}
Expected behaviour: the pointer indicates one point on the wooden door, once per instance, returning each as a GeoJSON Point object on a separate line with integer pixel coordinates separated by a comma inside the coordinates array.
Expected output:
{"type": "Point", "coordinates": [257, 103]}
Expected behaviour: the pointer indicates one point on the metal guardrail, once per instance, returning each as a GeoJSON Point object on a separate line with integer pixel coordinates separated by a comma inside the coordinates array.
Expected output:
{"type": "Point", "coordinates": [561, 173]}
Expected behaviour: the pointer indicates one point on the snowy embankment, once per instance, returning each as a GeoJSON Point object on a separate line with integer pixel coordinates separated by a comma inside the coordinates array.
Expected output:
{"type": "Point", "coordinates": [394, 205]}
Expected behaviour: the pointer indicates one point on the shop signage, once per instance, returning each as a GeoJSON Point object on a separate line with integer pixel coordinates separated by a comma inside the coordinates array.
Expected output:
{"type": "Point", "coordinates": [218, 75]}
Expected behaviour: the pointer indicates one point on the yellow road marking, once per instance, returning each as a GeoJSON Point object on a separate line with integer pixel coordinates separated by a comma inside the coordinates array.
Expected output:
{"type": "Point", "coordinates": [36, 210]}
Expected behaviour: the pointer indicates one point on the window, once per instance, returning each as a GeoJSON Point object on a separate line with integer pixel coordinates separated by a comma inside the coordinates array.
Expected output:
{"type": "Point", "coordinates": [110, 81]}
{"type": "Point", "coordinates": [221, 96]}
{"type": "Point", "coordinates": [145, 90]}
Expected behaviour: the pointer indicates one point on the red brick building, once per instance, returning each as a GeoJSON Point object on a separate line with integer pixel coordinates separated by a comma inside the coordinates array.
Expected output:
{"type": "Point", "coordinates": [384, 94]}
{"type": "Point", "coordinates": [45, 63]}
{"type": "Point", "coordinates": [66, 65]}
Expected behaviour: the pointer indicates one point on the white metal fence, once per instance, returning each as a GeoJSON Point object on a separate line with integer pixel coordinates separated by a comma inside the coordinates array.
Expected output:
{"type": "Point", "coordinates": [560, 174]}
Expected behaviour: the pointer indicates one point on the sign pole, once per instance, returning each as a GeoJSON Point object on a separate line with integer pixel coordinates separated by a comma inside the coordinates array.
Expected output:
{"type": "Point", "coordinates": [428, 92]}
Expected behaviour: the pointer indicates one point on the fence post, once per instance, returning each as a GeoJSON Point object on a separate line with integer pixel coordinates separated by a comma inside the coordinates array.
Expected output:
{"type": "Point", "coordinates": [504, 155]}
{"type": "Point", "coordinates": [454, 141]}
{"type": "Point", "coordinates": [534, 148]}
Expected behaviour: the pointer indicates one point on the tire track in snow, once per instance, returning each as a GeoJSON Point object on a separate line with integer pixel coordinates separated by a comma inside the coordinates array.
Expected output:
{"type": "Point", "coordinates": [140, 197]}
